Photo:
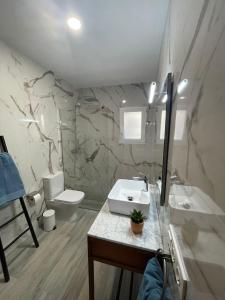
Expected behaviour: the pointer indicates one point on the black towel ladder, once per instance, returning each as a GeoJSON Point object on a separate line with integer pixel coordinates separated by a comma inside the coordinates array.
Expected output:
{"type": "Point", "coordinates": [3, 148]}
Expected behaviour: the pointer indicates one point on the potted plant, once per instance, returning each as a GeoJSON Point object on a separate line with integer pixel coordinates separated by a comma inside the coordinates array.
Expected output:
{"type": "Point", "coordinates": [137, 221]}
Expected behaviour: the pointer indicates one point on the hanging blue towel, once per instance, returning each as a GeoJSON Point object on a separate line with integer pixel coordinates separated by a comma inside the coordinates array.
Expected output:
{"type": "Point", "coordinates": [11, 186]}
{"type": "Point", "coordinates": [152, 283]}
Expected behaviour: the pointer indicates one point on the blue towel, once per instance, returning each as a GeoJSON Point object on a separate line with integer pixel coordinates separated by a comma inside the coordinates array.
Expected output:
{"type": "Point", "coordinates": [152, 283]}
{"type": "Point", "coordinates": [11, 186]}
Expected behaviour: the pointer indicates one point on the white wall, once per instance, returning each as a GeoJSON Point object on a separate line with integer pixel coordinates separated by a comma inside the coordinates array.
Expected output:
{"type": "Point", "coordinates": [28, 92]}
{"type": "Point", "coordinates": [99, 158]}
{"type": "Point", "coordinates": [194, 49]}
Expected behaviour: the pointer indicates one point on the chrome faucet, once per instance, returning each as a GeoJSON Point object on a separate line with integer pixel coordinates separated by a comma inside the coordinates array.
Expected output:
{"type": "Point", "coordinates": [143, 178]}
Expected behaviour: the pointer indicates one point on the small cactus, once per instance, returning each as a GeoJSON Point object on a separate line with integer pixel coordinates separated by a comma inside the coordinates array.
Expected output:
{"type": "Point", "coordinates": [137, 216]}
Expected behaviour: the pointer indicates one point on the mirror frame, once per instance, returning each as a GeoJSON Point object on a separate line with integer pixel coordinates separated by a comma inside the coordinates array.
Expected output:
{"type": "Point", "coordinates": [169, 105]}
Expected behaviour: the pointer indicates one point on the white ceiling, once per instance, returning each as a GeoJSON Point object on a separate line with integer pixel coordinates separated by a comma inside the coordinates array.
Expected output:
{"type": "Point", "coordinates": [119, 42]}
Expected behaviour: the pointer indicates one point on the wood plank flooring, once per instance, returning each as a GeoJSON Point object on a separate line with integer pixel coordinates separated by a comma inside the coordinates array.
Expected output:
{"type": "Point", "coordinates": [58, 269]}
{"type": "Point", "coordinates": [91, 204]}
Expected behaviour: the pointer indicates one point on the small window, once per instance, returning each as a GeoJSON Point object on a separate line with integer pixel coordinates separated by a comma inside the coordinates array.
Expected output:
{"type": "Point", "coordinates": [132, 125]}
{"type": "Point", "coordinates": [180, 125]}
{"type": "Point", "coordinates": [162, 124]}
{"type": "Point", "coordinates": [179, 133]}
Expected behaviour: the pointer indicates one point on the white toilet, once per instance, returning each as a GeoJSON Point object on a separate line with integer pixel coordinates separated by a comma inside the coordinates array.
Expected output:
{"type": "Point", "coordinates": [65, 203]}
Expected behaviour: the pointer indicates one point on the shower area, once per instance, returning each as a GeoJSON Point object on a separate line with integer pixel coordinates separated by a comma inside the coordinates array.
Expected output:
{"type": "Point", "coordinates": [93, 155]}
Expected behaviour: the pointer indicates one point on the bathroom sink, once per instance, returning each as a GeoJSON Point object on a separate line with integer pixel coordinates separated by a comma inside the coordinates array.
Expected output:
{"type": "Point", "coordinates": [189, 203]}
{"type": "Point", "coordinates": [127, 195]}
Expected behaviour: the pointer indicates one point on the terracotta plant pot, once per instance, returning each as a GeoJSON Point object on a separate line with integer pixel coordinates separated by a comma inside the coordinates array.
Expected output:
{"type": "Point", "coordinates": [136, 227]}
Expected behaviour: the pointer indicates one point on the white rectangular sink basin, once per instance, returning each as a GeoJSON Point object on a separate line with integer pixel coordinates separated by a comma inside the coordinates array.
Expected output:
{"type": "Point", "coordinates": [188, 203]}
{"type": "Point", "coordinates": [127, 195]}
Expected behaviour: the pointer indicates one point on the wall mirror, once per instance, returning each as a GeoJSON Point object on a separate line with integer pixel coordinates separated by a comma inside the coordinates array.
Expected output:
{"type": "Point", "coordinates": [165, 131]}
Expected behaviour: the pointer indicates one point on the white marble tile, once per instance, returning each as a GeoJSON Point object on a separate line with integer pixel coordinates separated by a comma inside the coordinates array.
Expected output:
{"type": "Point", "coordinates": [99, 157]}
{"type": "Point", "coordinates": [30, 101]}
{"type": "Point", "coordinates": [193, 48]}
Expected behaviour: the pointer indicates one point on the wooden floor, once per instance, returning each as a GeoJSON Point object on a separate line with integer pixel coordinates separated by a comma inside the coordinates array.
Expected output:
{"type": "Point", "coordinates": [58, 268]}
{"type": "Point", "coordinates": [91, 204]}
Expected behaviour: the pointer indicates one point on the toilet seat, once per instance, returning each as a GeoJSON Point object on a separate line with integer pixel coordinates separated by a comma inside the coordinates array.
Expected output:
{"type": "Point", "coordinates": [70, 197]}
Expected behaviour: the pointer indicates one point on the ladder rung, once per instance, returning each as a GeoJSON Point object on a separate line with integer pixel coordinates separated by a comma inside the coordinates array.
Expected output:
{"type": "Point", "coordinates": [12, 219]}
{"type": "Point", "coordinates": [6, 247]}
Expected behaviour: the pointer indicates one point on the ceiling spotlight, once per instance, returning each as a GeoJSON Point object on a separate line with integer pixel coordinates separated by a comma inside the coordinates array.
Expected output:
{"type": "Point", "coordinates": [164, 99]}
{"type": "Point", "coordinates": [124, 101]}
{"type": "Point", "coordinates": [74, 23]}
{"type": "Point", "coordinates": [152, 92]}
{"type": "Point", "coordinates": [182, 85]}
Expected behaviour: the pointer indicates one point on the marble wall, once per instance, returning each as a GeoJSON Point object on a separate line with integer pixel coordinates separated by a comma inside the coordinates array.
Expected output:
{"type": "Point", "coordinates": [194, 49]}
{"type": "Point", "coordinates": [48, 126]}
{"type": "Point", "coordinates": [31, 103]}
{"type": "Point", "coordinates": [199, 58]}
{"type": "Point", "coordinates": [97, 158]}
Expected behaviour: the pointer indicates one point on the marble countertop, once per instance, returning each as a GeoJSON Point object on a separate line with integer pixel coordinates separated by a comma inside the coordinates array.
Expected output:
{"type": "Point", "coordinates": [116, 228]}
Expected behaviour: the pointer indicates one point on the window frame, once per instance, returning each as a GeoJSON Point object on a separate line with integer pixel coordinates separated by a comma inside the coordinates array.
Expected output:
{"type": "Point", "coordinates": [143, 110]}
{"type": "Point", "coordinates": [180, 106]}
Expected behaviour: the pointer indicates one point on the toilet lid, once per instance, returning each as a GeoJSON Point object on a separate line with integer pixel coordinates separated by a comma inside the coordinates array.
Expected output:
{"type": "Point", "coordinates": [70, 197]}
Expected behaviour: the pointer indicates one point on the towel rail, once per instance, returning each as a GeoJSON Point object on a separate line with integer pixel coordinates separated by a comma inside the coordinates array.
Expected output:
{"type": "Point", "coordinates": [13, 241]}
{"type": "Point", "coordinates": [10, 220]}
{"type": "Point", "coordinates": [3, 148]}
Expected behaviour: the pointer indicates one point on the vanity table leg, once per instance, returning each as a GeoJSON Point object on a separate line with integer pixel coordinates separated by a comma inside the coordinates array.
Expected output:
{"type": "Point", "coordinates": [91, 274]}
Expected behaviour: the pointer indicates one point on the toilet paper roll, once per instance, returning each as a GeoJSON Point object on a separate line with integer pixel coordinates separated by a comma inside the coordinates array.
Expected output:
{"type": "Point", "coordinates": [37, 203]}
{"type": "Point", "coordinates": [35, 198]}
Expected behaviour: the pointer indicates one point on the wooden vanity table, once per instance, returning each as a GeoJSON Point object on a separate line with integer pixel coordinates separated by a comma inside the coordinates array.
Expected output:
{"type": "Point", "coordinates": [111, 241]}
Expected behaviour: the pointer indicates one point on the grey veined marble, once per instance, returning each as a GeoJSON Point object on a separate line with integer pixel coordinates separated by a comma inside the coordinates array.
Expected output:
{"type": "Point", "coordinates": [193, 48]}
{"type": "Point", "coordinates": [31, 101]}
{"type": "Point", "coordinates": [49, 126]}
{"type": "Point", "coordinates": [95, 158]}
{"type": "Point", "coordinates": [116, 228]}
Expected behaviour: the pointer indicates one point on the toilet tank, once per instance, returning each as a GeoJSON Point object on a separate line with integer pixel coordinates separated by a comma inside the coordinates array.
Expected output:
{"type": "Point", "coordinates": [53, 185]}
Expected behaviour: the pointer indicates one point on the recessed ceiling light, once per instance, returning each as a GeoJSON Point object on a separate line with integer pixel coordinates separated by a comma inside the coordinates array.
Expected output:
{"type": "Point", "coordinates": [74, 23]}
{"type": "Point", "coordinates": [124, 101]}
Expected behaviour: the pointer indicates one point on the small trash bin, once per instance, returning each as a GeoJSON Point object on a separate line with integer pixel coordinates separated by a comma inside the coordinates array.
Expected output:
{"type": "Point", "coordinates": [49, 220]}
